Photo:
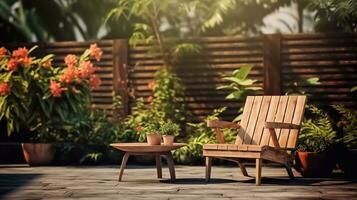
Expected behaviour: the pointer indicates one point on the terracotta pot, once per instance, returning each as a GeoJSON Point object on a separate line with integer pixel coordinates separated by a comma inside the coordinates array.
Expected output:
{"type": "Point", "coordinates": [153, 139]}
{"type": "Point", "coordinates": [37, 154]}
{"type": "Point", "coordinates": [168, 139]}
{"type": "Point", "coordinates": [313, 164]}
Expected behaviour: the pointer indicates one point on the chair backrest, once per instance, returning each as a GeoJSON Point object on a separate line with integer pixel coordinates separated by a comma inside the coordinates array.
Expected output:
{"type": "Point", "coordinates": [261, 109]}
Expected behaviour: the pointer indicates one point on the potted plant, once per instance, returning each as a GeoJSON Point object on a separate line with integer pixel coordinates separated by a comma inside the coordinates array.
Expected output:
{"type": "Point", "coordinates": [169, 130]}
{"type": "Point", "coordinates": [315, 140]}
{"type": "Point", "coordinates": [152, 132]}
{"type": "Point", "coordinates": [38, 98]}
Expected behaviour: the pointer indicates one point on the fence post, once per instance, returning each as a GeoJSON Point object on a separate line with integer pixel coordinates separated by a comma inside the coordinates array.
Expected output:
{"type": "Point", "coordinates": [272, 64]}
{"type": "Point", "coordinates": [120, 75]}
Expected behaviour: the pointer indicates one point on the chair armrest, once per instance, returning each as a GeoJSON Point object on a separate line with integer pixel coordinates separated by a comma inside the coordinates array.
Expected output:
{"type": "Point", "coordinates": [281, 125]}
{"type": "Point", "coordinates": [274, 137]}
{"type": "Point", "coordinates": [221, 124]}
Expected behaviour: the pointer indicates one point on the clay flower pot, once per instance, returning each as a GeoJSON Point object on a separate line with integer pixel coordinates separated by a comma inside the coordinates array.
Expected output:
{"type": "Point", "coordinates": [37, 154]}
{"type": "Point", "coordinates": [313, 164]}
{"type": "Point", "coordinates": [168, 139]}
{"type": "Point", "coordinates": [153, 139]}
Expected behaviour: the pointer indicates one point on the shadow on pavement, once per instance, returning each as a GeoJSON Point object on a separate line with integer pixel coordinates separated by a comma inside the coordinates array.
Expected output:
{"type": "Point", "coordinates": [199, 181]}
{"type": "Point", "coordinates": [13, 182]}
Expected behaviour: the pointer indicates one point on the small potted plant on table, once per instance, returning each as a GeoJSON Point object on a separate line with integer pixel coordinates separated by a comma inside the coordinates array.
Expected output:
{"type": "Point", "coordinates": [152, 131]}
{"type": "Point", "coordinates": [169, 130]}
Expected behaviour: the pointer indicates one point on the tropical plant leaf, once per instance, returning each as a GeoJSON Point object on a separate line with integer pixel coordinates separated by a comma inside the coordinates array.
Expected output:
{"type": "Point", "coordinates": [224, 87]}
{"type": "Point", "coordinates": [354, 89]}
{"type": "Point", "coordinates": [235, 95]}
{"type": "Point", "coordinates": [313, 81]}
{"type": "Point", "coordinates": [243, 72]}
{"type": "Point", "coordinates": [253, 88]}
{"type": "Point", "coordinates": [33, 48]}
{"type": "Point", "coordinates": [240, 81]}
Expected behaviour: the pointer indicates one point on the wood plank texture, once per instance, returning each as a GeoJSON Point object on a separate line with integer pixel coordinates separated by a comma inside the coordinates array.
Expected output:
{"type": "Point", "coordinates": [330, 57]}
{"type": "Point", "coordinates": [245, 119]}
{"type": "Point", "coordinates": [297, 119]}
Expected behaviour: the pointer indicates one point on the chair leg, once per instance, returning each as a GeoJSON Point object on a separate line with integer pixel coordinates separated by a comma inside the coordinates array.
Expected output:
{"type": "Point", "coordinates": [258, 166]}
{"type": "Point", "coordinates": [208, 168]}
{"type": "Point", "coordinates": [242, 168]}
{"type": "Point", "coordinates": [288, 169]}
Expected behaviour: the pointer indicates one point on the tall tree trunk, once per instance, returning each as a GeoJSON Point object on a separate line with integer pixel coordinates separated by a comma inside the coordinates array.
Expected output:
{"type": "Point", "coordinates": [300, 11]}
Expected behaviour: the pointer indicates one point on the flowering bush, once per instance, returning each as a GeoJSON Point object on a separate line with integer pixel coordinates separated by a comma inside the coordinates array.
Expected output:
{"type": "Point", "coordinates": [38, 97]}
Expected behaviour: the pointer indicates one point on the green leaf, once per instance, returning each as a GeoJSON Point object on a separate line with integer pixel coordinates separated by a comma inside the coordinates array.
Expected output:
{"type": "Point", "coordinates": [33, 48]}
{"type": "Point", "coordinates": [354, 88]}
{"type": "Point", "coordinates": [240, 81]}
{"type": "Point", "coordinates": [85, 55]}
{"type": "Point", "coordinates": [238, 118]}
{"type": "Point", "coordinates": [224, 87]}
{"type": "Point", "coordinates": [10, 126]}
{"type": "Point", "coordinates": [243, 72]}
{"type": "Point", "coordinates": [313, 81]}
{"type": "Point", "coordinates": [47, 57]}
{"type": "Point", "coordinates": [43, 107]}
{"type": "Point", "coordinates": [58, 109]}
{"type": "Point", "coordinates": [253, 88]}
{"type": "Point", "coordinates": [235, 95]}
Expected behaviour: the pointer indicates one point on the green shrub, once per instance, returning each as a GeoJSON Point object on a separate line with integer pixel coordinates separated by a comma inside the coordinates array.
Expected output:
{"type": "Point", "coordinates": [88, 140]}
{"type": "Point", "coordinates": [317, 133]}
{"type": "Point", "coordinates": [200, 134]}
{"type": "Point", "coordinates": [348, 124]}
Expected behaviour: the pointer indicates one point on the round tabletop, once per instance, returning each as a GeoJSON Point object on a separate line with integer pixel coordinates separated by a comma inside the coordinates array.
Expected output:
{"type": "Point", "coordinates": [145, 147]}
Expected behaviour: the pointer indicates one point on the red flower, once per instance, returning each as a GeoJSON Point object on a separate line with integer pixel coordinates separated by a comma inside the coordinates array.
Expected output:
{"type": "Point", "coordinates": [70, 60]}
{"type": "Point", "coordinates": [86, 69]}
{"type": "Point", "coordinates": [69, 75]}
{"type": "Point", "coordinates": [4, 89]}
{"type": "Point", "coordinates": [2, 52]}
{"type": "Point", "coordinates": [152, 85]}
{"type": "Point", "coordinates": [20, 53]}
{"type": "Point", "coordinates": [95, 51]}
{"type": "Point", "coordinates": [47, 64]}
{"type": "Point", "coordinates": [94, 82]}
{"type": "Point", "coordinates": [26, 61]}
{"type": "Point", "coordinates": [150, 99]}
{"type": "Point", "coordinates": [12, 64]}
{"type": "Point", "coordinates": [56, 89]}
{"type": "Point", "coordinates": [138, 128]}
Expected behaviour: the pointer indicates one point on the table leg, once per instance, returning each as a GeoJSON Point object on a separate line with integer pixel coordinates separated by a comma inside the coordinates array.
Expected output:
{"type": "Point", "coordinates": [158, 165]}
{"type": "Point", "coordinates": [123, 164]}
{"type": "Point", "coordinates": [170, 163]}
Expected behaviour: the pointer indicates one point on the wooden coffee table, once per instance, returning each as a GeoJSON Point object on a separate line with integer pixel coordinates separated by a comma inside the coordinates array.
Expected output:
{"type": "Point", "coordinates": [145, 149]}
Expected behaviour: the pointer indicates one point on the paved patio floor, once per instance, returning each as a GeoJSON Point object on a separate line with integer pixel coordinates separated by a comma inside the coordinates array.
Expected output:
{"type": "Point", "coordinates": [139, 182]}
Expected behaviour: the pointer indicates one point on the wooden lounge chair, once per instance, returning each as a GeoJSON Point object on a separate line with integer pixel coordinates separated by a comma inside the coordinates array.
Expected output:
{"type": "Point", "coordinates": [268, 130]}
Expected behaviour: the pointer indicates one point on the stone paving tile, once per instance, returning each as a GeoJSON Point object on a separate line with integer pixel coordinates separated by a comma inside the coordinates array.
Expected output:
{"type": "Point", "coordinates": [139, 182]}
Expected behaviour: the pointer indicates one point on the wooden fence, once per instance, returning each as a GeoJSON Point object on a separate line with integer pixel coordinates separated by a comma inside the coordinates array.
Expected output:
{"type": "Point", "coordinates": [280, 62]}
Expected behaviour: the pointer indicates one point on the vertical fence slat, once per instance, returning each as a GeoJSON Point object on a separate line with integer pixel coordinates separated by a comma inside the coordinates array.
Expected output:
{"type": "Point", "coordinates": [272, 64]}
{"type": "Point", "coordinates": [120, 74]}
